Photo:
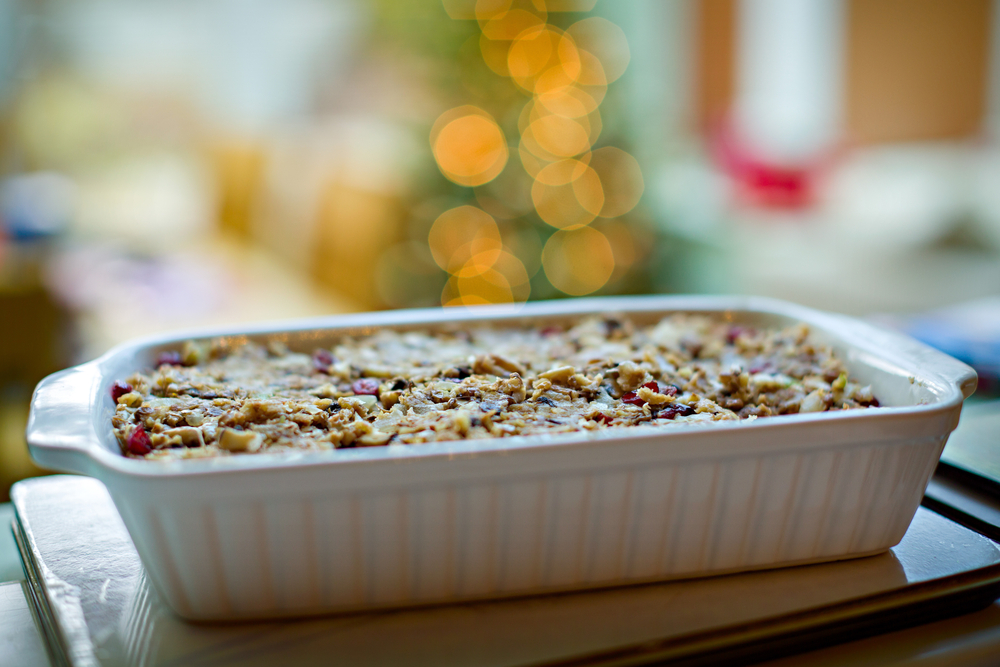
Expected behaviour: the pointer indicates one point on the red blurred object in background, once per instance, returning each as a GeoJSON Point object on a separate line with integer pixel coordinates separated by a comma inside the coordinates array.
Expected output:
{"type": "Point", "coordinates": [764, 183]}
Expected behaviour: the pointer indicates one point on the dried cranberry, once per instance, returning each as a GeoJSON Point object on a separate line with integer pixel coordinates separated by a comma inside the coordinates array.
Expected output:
{"type": "Point", "coordinates": [665, 389]}
{"type": "Point", "coordinates": [632, 399]}
{"type": "Point", "coordinates": [675, 410]}
{"type": "Point", "coordinates": [322, 360]}
{"type": "Point", "coordinates": [550, 331]}
{"type": "Point", "coordinates": [365, 386]}
{"type": "Point", "coordinates": [119, 389]}
{"type": "Point", "coordinates": [602, 418]}
{"type": "Point", "coordinates": [138, 442]}
{"type": "Point", "coordinates": [171, 358]}
{"type": "Point", "coordinates": [734, 333]}
{"type": "Point", "coordinates": [762, 366]}
{"type": "Point", "coordinates": [874, 403]}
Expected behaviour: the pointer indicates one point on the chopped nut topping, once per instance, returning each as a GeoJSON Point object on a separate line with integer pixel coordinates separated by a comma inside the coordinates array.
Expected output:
{"type": "Point", "coordinates": [414, 387]}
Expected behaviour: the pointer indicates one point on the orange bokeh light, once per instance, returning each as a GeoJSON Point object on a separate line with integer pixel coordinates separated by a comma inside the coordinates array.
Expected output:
{"type": "Point", "coordinates": [486, 10]}
{"type": "Point", "coordinates": [568, 100]}
{"type": "Point", "coordinates": [468, 145]}
{"type": "Point", "coordinates": [508, 25]}
{"type": "Point", "coordinates": [606, 42]}
{"type": "Point", "coordinates": [504, 281]}
{"type": "Point", "coordinates": [560, 136]}
{"type": "Point", "coordinates": [531, 162]}
{"type": "Point", "coordinates": [567, 194]}
{"type": "Point", "coordinates": [461, 234]}
{"type": "Point", "coordinates": [578, 262]}
{"type": "Point", "coordinates": [621, 180]}
{"type": "Point", "coordinates": [567, 74]}
{"type": "Point", "coordinates": [531, 51]}
{"type": "Point", "coordinates": [495, 54]}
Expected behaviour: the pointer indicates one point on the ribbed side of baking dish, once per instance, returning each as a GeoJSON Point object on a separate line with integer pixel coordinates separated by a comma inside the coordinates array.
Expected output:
{"type": "Point", "coordinates": [330, 552]}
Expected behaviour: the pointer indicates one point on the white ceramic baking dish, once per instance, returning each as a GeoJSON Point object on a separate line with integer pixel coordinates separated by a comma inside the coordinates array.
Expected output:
{"type": "Point", "coordinates": [291, 534]}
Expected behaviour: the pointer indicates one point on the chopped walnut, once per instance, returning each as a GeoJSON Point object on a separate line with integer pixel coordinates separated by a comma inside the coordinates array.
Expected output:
{"type": "Point", "coordinates": [412, 387]}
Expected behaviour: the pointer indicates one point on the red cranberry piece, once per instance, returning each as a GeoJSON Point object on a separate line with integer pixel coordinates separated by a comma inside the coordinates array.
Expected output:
{"type": "Point", "coordinates": [171, 358]}
{"type": "Point", "coordinates": [365, 386]}
{"type": "Point", "coordinates": [734, 333]}
{"type": "Point", "coordinates": [632, 399]}
{"type": "Point", "coordinates": [604, 419]}
{"type": "Point", "coordinates": [762, 366]}
{"type": "Point", "coordinates": [322, 360]}
{"type": "Point", "coordinates": [138, 442]}
{"type": "Point", "coordinates": [119, 389]}
{"type": "Point", "coordinates": [665, 389]}
{"type": "Point", "coordinates": [675, 410]}
{"type": "Point", "coordinates": [550, 331]}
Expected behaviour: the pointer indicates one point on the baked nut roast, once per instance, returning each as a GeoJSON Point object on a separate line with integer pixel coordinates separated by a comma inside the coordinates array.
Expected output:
{"type": "Point", "coordinates": [405, 387]}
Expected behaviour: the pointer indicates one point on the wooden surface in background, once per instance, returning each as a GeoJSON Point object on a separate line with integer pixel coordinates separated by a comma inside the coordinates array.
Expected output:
{"type": "Point", "coordinates": [916, 69]}
{"type": "Point", "coordinates": [715, 61]}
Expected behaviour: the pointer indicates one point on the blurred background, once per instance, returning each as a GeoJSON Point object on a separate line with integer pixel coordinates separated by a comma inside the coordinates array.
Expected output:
{"type": "Point", "coordinates": [166, 164]}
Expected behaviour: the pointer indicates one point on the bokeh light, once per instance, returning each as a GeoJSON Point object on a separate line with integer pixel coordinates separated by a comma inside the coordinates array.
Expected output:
{"type": "Point", "coordinates": [486, 10]}
{"type": "Point", "coordinates": [505, 280]}
{"type": "Point", "coordinates": [495, 54]}
{"type": "Point", "coordinates": [531, 51]}
{"type": "Point", "coordinates": [578, 262]}
{"type": "Point", "coordinates": [606, 42]}
{"type": "Point", "coordinates": [532, 164]}
{"type": "Point", "coordinates": [543, 54]}
{"type": "Point", "coordinates": [558, 135]}
{"type": "Point", "coordinates": [508, 25]}
{"type": "Point", "coordinates": [621, 180]}
{"type": "Point", "coordinates": [468, 145]}
{"type": "Point", "coordinates": [570, 5]}
{"type": "Point", "coordinates": [461, 234]}
{"type": "Point", "coordinates": [510, 193]}
{"type": "Point", "coordinates": [571, 186]}
{"type": "Point", "coordinates": [624, 244]}
{"type": "Point", "coordinates": [567, 100]}
{"type": "Point", "coordinates": [567, 194]}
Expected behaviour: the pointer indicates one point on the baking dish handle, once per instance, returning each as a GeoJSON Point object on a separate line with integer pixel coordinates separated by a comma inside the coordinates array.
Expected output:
{"type": "Point", "coordinates": [917, 354]}
{"type": "Point", "coordinates": [60, 429]}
